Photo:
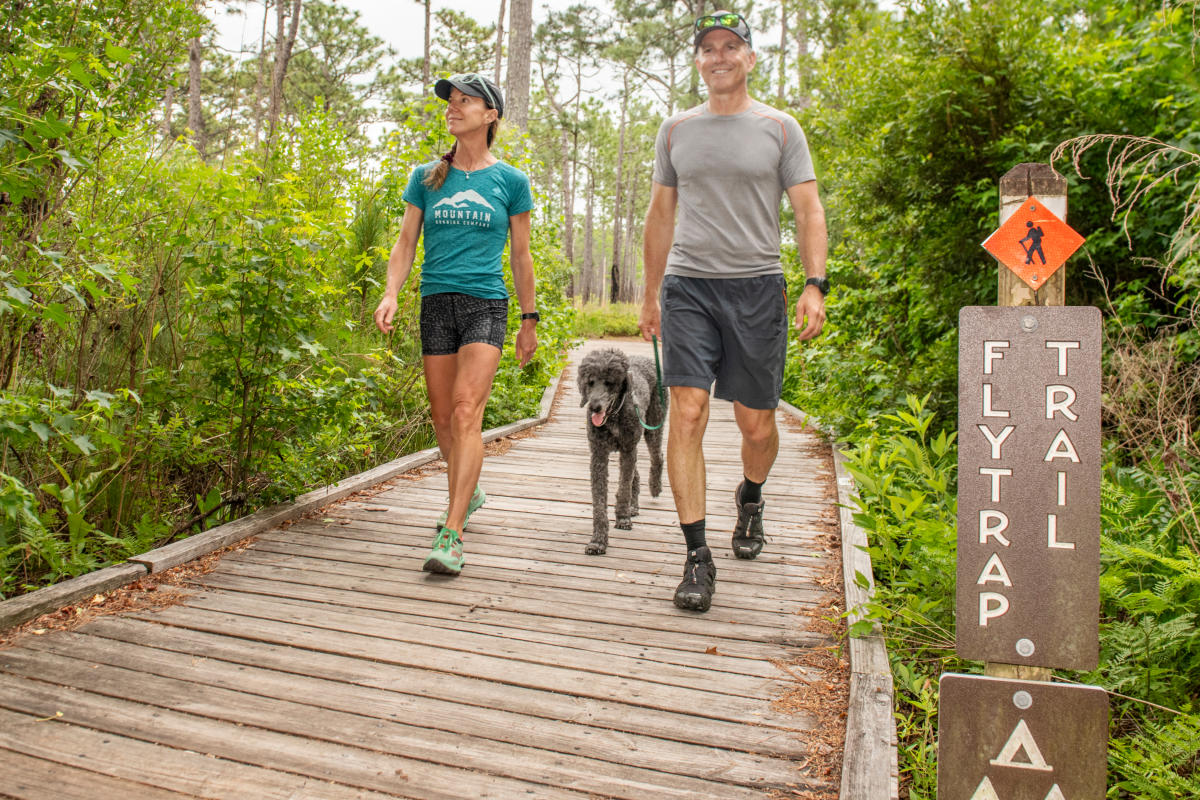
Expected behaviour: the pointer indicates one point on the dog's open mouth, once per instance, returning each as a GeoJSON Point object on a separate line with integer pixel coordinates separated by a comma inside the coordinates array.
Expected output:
{"type": "Point", "coordinates": [598, 418]}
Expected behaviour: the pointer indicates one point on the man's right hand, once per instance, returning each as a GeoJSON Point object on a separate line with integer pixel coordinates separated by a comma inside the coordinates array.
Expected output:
{"type": "Point", "coordinates": [650, 321]}
{"type": "Point", "coordinates": [385, 313]}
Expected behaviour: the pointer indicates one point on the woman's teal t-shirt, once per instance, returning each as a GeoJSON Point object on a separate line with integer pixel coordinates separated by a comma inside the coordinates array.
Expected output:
{"type": "Point", "coordinates": [466, 226]}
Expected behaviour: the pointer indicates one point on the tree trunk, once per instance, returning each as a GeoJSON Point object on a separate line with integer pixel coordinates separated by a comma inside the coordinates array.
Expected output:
{"type": "Point", "coordinates": [283, 54]}
{"type": "Point", "coordinates": [619, 201]}
{"type": "Point", "coordinates": [520, 47]}
{"type": "Point", "coordinates": [168, 110]}
{"type": "Point", "coordinates": [783, 43]}
{"type": "Point", "coordinates": [260, 75]}
{"type": "Point", "coordinates": [568, 216]}
{"type": "Point", "coordinates": [195, 104]}
{"type": "Point", "coordinates": [425, 66]}
{"type": "Point", "coordinates": [589, 241]}
{"type": "Point", "coordinates": [500, 39]}
{"type": "Point", "coordinates": [629, 272]}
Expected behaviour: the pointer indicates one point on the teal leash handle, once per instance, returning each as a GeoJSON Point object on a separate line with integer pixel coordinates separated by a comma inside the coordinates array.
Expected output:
{"type": "Point", "coordinates": [661, 393]}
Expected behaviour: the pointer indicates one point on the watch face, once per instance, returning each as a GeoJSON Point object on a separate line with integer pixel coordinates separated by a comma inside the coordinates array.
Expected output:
{"type": "Point", "coordinates": [820, 283]}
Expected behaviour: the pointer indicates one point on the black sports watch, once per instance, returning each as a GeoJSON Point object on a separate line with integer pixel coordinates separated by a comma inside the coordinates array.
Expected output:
{"type": "Point", "coordinates": [533, 315]}
{"type": "Point", "coordinates": [821, 283]}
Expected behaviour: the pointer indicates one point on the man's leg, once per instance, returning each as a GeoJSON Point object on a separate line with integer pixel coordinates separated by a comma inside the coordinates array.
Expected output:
{"type": "Point", "coordinates": [760, 446]}
{"type": "Point", "coordinates": [685, 451]}
{"type": "Point", "coordinates": [686, 470]}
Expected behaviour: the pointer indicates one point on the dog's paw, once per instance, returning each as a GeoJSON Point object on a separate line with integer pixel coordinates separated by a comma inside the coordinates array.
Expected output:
{"type": "Point", "coordinates": [596, 548]}
{"type": "Point", "coordinates": [624, 523]}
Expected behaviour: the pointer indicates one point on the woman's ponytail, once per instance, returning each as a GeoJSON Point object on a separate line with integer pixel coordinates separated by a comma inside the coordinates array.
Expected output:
{"type": "Point", "coordinates": [437, 175]}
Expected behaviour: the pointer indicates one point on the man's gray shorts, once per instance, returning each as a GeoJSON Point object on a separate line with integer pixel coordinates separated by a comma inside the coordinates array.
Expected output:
{"type": "Point", "coordinates": [731, 330]}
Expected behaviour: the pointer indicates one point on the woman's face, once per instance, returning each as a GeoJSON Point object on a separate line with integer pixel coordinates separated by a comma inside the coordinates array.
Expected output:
{"type": "Point", "coordinates": [466, 113]}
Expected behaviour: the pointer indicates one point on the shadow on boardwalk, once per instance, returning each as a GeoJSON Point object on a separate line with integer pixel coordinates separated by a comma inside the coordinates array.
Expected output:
{"type": "Point", "coordinates": [321, 662]}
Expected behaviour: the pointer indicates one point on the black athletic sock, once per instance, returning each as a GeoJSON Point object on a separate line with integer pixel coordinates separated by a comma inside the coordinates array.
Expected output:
{"type": "Point", "coordinates": [693, 534]}
{"type": "Point", "coordinates": [751, 491]}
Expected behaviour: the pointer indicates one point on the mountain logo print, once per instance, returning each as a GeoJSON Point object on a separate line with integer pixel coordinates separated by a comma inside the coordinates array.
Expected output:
{"type": "Point", "coordinates": [466, 208]}
{"type": "Point", "coordinates": [463, 200]}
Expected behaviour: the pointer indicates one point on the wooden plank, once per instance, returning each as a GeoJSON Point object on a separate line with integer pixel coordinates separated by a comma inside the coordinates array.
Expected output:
{"type": "Point", "coordinates": [642, 693]}
{"type": "Point", "coordinates": [597, 632]}
{"type": "Point", "coordinates": [301, 754]}
{"type": "Point", "coordinates": [185, 550]}
{"type": "Point", "coordinates": [741, 617]}
{"type": "Point", "coordinates": [190, 773]}
{"type": "Point", "coordinates": [359, 669]}
{"type": "Point", "coordinates": [574, 738]}
{"type": "Point", "coordinates": [20, 609]}
{"type": "Point", "coordinates": [870, 758]}
{"type": "Point", "coordinates": [787, 570]}
{"type": "Point", "coordinates": [34, 779]}
{"type": "Point", "coordinates": [448, 648]}
{"type": "Point", "coordinates": [390, 738]}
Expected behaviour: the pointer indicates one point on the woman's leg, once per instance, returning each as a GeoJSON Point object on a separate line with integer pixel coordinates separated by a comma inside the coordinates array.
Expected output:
{"type": "Point", "coordinates": [462, 384]}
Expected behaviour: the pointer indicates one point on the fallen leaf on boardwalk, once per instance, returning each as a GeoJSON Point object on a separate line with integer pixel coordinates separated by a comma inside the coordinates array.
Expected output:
{"type": "Point", "coordinates": [38, 631]}
{"type": "Point", "coordinates": [55, 715]}
{"type": "Point", "coordinates": [712, 651]}
{"type": "Point", "coordinates": [376, 508]}
{"type": "Point", "coordinates": [97, 599]}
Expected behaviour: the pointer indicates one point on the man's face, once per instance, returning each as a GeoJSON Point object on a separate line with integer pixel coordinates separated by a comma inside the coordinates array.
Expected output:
{"type": "Point", "coordinates": [724, 61]}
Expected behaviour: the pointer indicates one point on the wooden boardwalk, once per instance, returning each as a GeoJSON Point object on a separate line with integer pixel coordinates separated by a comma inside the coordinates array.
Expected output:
{"type": "Point", "coordinates": [321, 662]}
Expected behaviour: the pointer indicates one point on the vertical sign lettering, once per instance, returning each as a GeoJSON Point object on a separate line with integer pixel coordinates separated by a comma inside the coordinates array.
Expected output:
{"type": "Point", "coordinates": [1029, 485]}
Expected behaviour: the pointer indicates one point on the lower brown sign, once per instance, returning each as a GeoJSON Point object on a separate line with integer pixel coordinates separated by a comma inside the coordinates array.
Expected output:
{"type": "Point", "coordinates": [1021, 740]}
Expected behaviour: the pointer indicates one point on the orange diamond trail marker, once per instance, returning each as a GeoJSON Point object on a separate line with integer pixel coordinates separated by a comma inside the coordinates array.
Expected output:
{"type": "Point", "coordinates": [1033, 243]}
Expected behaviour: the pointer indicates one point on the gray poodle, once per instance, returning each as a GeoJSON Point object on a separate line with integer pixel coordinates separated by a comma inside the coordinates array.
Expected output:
{"type": "Point", "coordinates": [615, 389]}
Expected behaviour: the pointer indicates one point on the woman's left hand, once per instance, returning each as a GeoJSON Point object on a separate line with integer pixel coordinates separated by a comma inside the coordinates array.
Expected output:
{"type": "Point", "coordinates": [526, 341]}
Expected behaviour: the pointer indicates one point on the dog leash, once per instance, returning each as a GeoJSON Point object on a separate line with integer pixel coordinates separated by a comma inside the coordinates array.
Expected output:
{"type": "Point", "coordinates": [661, 394]}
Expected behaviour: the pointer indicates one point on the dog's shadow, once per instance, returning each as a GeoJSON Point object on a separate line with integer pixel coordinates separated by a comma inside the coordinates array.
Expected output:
{"type": "Point", "coordinates": [624, 406]}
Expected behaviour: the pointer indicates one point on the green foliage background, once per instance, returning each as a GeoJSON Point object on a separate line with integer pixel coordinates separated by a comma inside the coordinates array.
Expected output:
{"type": "Point", "coordinates": [182, 340]}
{"type": "Point", "coordinates": [185, 327]}
{"type": "Point", "coordinates": [920, 112]}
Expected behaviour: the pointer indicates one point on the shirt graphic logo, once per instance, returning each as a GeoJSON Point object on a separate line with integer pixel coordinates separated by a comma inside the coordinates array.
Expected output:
{"type": "Point", "coordinates": [463, 208]}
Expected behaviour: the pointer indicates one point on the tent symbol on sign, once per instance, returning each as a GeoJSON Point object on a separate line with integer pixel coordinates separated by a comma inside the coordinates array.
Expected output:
{"type": "Point", "coordinates": [1020, 742]}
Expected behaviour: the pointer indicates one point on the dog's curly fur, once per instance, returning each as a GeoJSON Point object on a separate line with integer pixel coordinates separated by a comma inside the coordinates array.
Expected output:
{"type": "Point", "coordinates": [614, 387]}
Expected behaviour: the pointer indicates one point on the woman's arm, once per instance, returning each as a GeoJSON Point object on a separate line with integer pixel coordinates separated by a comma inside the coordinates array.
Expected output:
{"type": "Point", "coordinates": [400, 264]}
{"type": "Point", "coordinates": [520, 259]}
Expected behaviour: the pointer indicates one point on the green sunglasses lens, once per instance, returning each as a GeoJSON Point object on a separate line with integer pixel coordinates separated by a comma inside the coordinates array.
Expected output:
{"type": "Point", "coordinates": [706, 22]}
{"type": "Point", "coordinates": [730, 20]}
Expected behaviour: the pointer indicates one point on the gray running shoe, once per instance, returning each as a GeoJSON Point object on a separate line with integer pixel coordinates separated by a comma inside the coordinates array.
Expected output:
{"type": "Point", "coordinates": [695, 591]}
{"type": "Point", "coordinates": [748, 536]}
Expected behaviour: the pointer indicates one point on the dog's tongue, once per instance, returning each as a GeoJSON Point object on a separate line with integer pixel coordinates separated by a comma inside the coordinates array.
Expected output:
{"type": "Point", "coordinates": [598, 418]}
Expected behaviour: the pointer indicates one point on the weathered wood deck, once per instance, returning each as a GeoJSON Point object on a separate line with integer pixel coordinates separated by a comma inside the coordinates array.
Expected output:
{"type": "Point", "coordinates": [321, 662]}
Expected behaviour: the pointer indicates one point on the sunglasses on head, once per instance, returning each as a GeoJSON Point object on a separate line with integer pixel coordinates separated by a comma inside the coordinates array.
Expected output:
{"type": "Point", "coordinates": [477, 82]}
{"type": "Point", "coordinates": [725, 20]}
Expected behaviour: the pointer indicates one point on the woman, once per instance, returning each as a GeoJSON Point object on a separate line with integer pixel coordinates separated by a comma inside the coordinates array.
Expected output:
{"type": "Point", "coordinates": [466, 204]}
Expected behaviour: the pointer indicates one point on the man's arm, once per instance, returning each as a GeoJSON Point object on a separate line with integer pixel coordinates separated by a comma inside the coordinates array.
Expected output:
{"type": "Point", "coordinates": [657, 237]}
{"type": "Point", "coordinates": [811, 238]}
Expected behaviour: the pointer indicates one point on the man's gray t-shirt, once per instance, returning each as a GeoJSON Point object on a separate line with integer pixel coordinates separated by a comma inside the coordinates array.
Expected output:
{"type": "Point", "coordinates": [730, 172]}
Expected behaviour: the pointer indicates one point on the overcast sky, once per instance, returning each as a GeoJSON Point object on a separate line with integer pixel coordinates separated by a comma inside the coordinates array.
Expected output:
{"type": "Point", "coordinates": [400, 23]}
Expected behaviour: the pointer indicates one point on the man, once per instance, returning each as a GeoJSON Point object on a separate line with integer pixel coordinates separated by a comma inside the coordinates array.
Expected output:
{"type": "Point", "coordinates": [724, 166]}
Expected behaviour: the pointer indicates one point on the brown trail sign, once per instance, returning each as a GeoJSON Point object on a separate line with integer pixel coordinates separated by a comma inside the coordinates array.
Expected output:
{"type": "Point", "coordinates": [1028, 521]}
{"type": "Point", "coordinates": [1029, 486]}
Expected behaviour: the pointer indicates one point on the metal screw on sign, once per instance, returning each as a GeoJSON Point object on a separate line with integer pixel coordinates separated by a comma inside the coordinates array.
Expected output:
{"type": "Point", "coordinates": [1029, 324]}
{"type": "Point", "coordinates": [1022, 699]}
{"type": "Point", "coordinates": [1025, 647]}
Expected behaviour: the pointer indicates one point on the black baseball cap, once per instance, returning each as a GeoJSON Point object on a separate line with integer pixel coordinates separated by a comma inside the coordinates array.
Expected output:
{"type": "Point", "coordinates": [722, 21]}
{"type": "Point", "coordinates": [474, 85]}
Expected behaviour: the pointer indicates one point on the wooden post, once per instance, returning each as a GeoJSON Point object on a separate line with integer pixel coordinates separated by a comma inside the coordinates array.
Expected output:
{"type": "Point", "coordinates": [1018, 184]}
{"type": "Point", "coordinates": [1042, 182]}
